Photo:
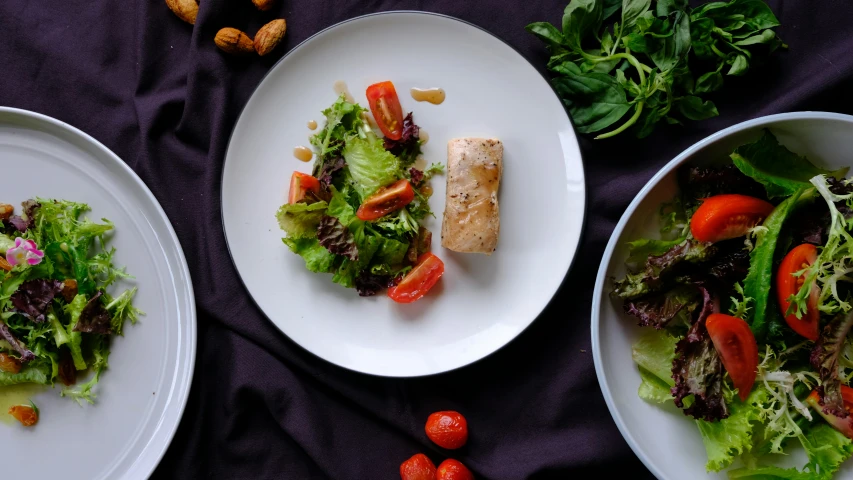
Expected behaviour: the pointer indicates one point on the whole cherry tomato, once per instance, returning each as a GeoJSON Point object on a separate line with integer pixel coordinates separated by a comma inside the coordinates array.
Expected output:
{"type": "Point", "coordinates": [447, 429]}
{"type": "Point", "coordinates": [419, 467]}
{"type": "Point", "coordinates": [451, 469]}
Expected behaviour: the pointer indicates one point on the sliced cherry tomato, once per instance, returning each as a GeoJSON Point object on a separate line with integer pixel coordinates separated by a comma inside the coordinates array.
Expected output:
{"type": "Point", "coordinates": [419, 467]}
{"type": "Point", "coordinates": [787, 284]}
{"type": "Point", "coordinates": [722, 217]}
{"type": "Point", "coordinates": [451, 469]}
{"type": "Point", "coordinates": [385, 107]}
{"type": "Point", "coordinates": [843, 425]}
{"type": "Point", "coordinates": [9, 364]}
{"type": "Point", "coordinates": [736, 345]}
{"type": "Point", "coordinates": [419, 280]}
{"type": "Point", "coordinates": [300, 185]}
{"type": "Point", "coordinates": [27, 415]}
{"type": "Point", "coordinates": [386, 200]}
{"type": "Point", "coordinates": [447, 429]}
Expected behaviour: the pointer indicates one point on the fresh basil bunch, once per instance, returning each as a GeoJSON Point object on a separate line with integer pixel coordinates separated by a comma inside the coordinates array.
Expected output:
{"type": "Point", "coordinates": [654, 61]}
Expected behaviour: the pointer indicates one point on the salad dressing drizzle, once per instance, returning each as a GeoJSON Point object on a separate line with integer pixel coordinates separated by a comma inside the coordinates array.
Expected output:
{"type": "Point", "coordinates": [303, 154]}
{"type": "Point", "coordinates": [340, 87]}
{"type": "Point", "coordinates": [312, 125]}
{"type": "Point", "coordinates": [434, 96]}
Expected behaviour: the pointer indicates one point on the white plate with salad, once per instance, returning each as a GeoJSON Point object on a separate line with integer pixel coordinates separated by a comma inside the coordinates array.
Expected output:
{"type": "Point", "coordinates": [97, 317]}
{"type": "Point", "coordinates": [722, 306]}
{"type": "Point", "coordinates": [345, 254]}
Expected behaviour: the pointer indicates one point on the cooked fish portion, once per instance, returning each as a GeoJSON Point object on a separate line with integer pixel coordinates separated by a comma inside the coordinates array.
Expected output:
{"type": "Point", "coordinates": [471, 217]}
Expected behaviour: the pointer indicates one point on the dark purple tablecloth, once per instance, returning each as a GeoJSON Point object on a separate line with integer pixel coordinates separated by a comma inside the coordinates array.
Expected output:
{"type": "Point", "coordinates": [158, 93]}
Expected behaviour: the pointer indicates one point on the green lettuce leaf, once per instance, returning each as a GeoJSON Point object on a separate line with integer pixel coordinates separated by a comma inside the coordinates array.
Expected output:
{"type": "Point", "coordinates": [653, 353]}
{"type": "Point", "coordinates": [317, 258]}
{"type": "Point", "coordinates": [369, 164]}
{"type": "Point", "coordinates": [74, 309]}
{"type": "Point", "coordinates": [641, 249]}
{"type": "Point", "coordinates": [652, 388]}
{"type": "Point", "coordinates": [99, 348]}
{"type": "Point", "coordinates": [6, 243]}
{"type": "Point", "coordinates": [39, 373]}
{"type": "Point", "coordinates": [343, 119]}
{"type": "Point", "coordinates": [732, 436]}
{"type": "Point", "coordinates": [781, 171]}
{"type": "Point", "coordinates": [300, 220]}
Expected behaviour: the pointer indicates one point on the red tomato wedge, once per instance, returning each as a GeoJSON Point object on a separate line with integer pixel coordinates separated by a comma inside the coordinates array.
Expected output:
{"type": "Point", "coordinates": [300, 185]}
{"type": "Point", "coordinates": [736, 345]}
{"type": "Point", "coordinates": [385, 107]}
{"type": "Point", "coordinates": [386, 200]}
{"type": "Point", "coordinates": [419, 280]}
{"type": "Point", "coordinates": [787, 284]}
{"type": "Point", "coordinates": [722, 217]}
{"type": "Point", "coordinates": [843, 425]}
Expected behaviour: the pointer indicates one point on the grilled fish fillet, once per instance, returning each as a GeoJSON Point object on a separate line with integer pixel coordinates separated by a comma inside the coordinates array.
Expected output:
{"type": "Point", "coordinates": [471, 217]}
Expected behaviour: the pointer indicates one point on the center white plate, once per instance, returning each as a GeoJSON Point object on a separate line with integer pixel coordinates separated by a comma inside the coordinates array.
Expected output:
{"type": "Point", "coordinates": [482, 302]}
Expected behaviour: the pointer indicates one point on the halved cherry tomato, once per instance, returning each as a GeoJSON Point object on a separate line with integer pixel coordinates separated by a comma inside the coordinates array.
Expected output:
{"type": "Point", "coordinates": [722, 217]}
{"type": "Point", "coordinates": [787, 284]}
{"type": "Point", "coordinates": [419, 467]}
{"type": "Point", "coordinates": [27, 415]}
{"type": "Point", "coordinates": [386, 200]}
{"type": "Point", "coordinates": [300, 185]}
{"type": "Point", "coordinates": [385, 107]}
{"type": "Point", "coordinates": [418, 281]}
{"type": "Point", "coordinates": [736, 345]}
{"type": "Point", "coordinates": [447, 429]}
{"type": "Point", "coordinates": [843, 425]}
{"type": "Point", "coordinates": [451, 469]}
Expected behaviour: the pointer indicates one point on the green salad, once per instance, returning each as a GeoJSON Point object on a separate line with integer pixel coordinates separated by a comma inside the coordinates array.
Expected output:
{"type": "Point", "coordinates": [359, 215]}
{"type": "Point", "coordinates": [56, 313]}
{"type": "Point", "coordinates": [748, 295]}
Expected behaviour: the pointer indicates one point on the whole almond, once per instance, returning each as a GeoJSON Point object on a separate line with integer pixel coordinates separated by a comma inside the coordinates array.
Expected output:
{"type": "Point", "coordinates": [269, 36]}
{"type": "Point", "coordinates": [233, 41]}
{"type": "Point", "coordinates": [186, 10]}
{"type": "Point", "coordinates": [264, 5]}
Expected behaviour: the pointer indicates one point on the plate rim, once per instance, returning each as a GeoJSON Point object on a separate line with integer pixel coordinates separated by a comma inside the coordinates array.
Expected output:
{"type": "Point", "coordinates": [595, 314]}
{"type": "Point", "coordinates": [183, 391]}
{"type": "Point", "coordinates": [584, 216]}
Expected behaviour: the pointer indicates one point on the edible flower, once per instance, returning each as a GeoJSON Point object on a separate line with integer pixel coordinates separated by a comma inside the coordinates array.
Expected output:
{"type": "Point", "coordinates": [24, 251]}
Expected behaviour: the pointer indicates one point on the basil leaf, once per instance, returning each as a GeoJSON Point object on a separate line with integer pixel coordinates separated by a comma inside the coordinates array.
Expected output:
{"type": "Point", "coordinates": [665, 8]}
{"type": "Point", "coordinates": [546, 32]}
{"type": "Point", "coordinates": [598, 100]}
{"type": "Point", "coordinates": [781, 171]}
{"type": "Point", "coordinates": [606, 42]}
{"type": "Point", "coordinates": [636, 42]}
{"type": "Point", "coordinates": [579, 19]}
{"type": "Point", "coordinates": [631, 11]}
{"type": "Point", "coordinates": [764, 37]}
{"type": "Point", "coordinates": [758, 281]}
{"type": "Point", "coordinates": [694, 108]}
{"type": "Point", "coordinates": [739, 66]}
{"type": "Point", "coordinates": [566, 68]}
{"type": "Point", "coordinates": [609, 8]}
{"type": "Point", "coordinates": [674, 47]}
{"type": "Point", "coordinates": [709, 82]}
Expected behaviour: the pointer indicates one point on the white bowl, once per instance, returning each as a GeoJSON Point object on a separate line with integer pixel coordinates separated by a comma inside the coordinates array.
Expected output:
{"type": "Point", "coordinates": [664, 439]}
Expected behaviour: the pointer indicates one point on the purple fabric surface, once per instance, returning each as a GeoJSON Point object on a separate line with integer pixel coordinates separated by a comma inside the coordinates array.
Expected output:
{"type": "Point", "coordinates": [158, 93]}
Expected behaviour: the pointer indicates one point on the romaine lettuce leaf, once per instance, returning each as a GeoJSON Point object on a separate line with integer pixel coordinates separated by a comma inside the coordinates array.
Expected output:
{"type": "Point", "coordinates": [300, 220]}
{"type": "Point", "coordinates": [781, 171]}
{"type": "Point", "coordinates": [369, 164]}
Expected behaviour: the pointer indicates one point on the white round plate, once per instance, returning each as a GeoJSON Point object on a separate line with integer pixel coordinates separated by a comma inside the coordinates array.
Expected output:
{"type": "Point", "coordinates": [482, 302]}
{"type": "Point", "coordinates": [141, 397]}
{"type": "Point", "coordinates": [655, 432]}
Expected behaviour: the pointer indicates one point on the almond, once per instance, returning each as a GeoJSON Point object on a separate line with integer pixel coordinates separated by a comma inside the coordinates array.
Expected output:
{"type": "Point", "coordinates": [186, 10]}
{"type": "Point", "coordinates": [264, 5]}
{"type": "Point", "coordinates": [6, 211]}
{"type": "Point", "coordinates": [269, 36]}
{"type": "Point", "coordinates": [233, 41]}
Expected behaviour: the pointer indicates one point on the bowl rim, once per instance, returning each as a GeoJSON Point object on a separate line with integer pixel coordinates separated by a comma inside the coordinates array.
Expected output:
{"type": "Point", "coordinates": [600, 278]}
